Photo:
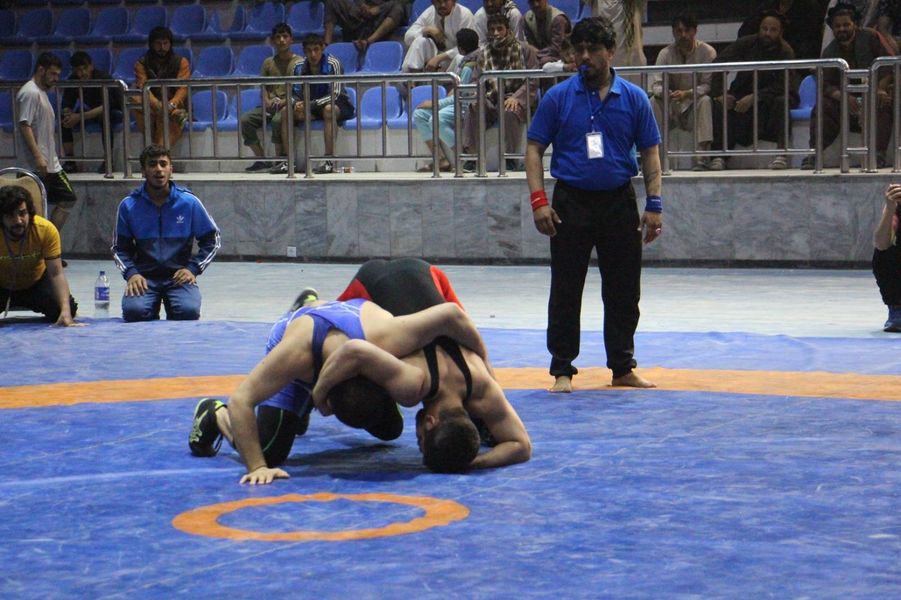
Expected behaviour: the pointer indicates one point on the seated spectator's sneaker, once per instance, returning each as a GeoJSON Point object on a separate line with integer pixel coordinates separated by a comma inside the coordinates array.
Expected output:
{"type": "Point", "coordinates": [808, 164]}
{"type": "Point", "coordinates": [280, 168]}
{"type": "Point", "coordinates": [70, 166]}
{"type": "Point", "coordinates": [325, 168]}
{"type": "Point", "coordinates": [308, 296]}
{"type": "Point", "coordinates": [514, 164]}
{"type": "Point", "coordinates": [881, 160]}
{"type": "Point", "coordinates": [717, 164]}
{"type": "Point", "coordinates": [701, 164]}
{"type": "Point", "coordinates": [780, 163]}
{"type": "Point", "coordinates": [469, 166]}
{"type": "Point", "coordinates": [205, 438]}
{"type": "Point", "coordinates": [101, 169]}
{"type": "Point", "coordinates": [893, 325]}
{"type": "Point", "coordinates": [260, 165]}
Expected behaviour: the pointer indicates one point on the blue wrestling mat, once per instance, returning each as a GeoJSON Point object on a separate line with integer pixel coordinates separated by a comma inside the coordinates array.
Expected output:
{"type": "Point", "coordinates": [652, 493]}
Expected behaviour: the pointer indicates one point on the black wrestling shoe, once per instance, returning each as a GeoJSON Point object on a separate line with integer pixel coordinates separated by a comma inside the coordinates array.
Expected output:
{"type": "Point", "coordinates": [307, 296]}
{"type": "Point", "coordinates": [205, 438]}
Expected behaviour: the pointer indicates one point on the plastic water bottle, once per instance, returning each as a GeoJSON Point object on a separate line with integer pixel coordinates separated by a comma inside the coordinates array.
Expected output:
{"type": "Point", "coordinates": [101, 292]}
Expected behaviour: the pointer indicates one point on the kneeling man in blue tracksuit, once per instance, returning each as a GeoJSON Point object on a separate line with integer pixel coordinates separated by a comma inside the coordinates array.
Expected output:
{"type": "Point", "coordinates": [156, 227]}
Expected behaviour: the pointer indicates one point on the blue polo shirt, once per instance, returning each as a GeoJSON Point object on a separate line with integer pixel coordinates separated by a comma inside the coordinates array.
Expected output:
{"type": "Point", "coordinates": [624, 119]}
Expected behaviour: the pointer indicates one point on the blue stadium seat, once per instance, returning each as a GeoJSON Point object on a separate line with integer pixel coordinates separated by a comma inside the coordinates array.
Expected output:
{"type": "Point", "coordinates": [250, 61]}
{"type": "Point", "coordinates": [213, 31]}
{"type": "Point", "coordinates": [6, 111]}
{"type": "Point", "coordinates": [16, 65]}
{"type": "Point", "coordinates": [808, 93]}
{"type": "Point", "coordinates": [101, 57]}
{"type": "Point", "coordinates": [570, 7]}
{"type": "Point", "coordinates": [297, 49]}
{"type": "Point", "coordinates": [250, 99]}
{"type": "Point", "coordinates": [419, 7]}
{"type": "Point", "coordinates": [370, 109]}
{"type": "Point", "coordinates": [418, 95]}
{"type": "Point", "coordinates": [125, 64]}
{"type": "Point", "coordinates": [7, 23]}
{"type": "Point", "coordinates": [72, 23]}
{"type": "Point", "coordinates": [188, 21]}
{"type": "Point", "coordinates": [32, 24]}
{"type": "Point", "coordinates": [262, 19]}
{"type": "Point", "coordinates": [214, 61]}
{"type": "Point", "coordinates": [202, 109]}
{"type": "Point", "coordinates": [384, 57]}
{"type": "Point", "coordinates": [145, 19]}
{"type": "Point", "coordinates": [110, 21]}
{"type": "Point", "coordinates": [307, 17]}
{"type": "Point", "coordinates": [347, 53]}
{"type": "Point", "coordinates": [64, 55]}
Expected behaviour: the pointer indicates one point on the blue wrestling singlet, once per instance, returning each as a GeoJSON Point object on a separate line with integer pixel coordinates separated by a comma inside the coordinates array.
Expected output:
{"type": "Point", "coordinates": [343, 316]}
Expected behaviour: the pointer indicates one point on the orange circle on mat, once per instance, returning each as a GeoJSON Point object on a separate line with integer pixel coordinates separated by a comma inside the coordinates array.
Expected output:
{"type": "Point", "coordinates": [204, 521]}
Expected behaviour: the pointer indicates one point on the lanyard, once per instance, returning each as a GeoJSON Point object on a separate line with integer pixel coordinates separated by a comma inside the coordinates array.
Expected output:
{"type": "Point", "coordinates": [588, 94]}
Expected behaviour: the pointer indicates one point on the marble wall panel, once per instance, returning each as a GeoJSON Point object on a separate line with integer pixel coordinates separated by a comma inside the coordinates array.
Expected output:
{"type": "Point", "coordinates": [406, 220]}
{"type": "Point", "coordinates": [502, 213]}
{"type": "Point", "coordinates": [470, 222]}
{"type": "Point", "coordinates": [342, 224]}
{"type": "Point", "coordinates": [311, 219]}
{"type": "Point", "coordinates": [264, 220]}
{"type": "Point", "coordinates": [374, 211]}
{"type": "Point", "coordinates": [771, 220]}
{"type": "Point", "coordinates": [438, 214]}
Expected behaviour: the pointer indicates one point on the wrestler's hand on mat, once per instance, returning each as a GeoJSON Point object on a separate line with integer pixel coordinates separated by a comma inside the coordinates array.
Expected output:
{"type": "Point", "coordinates": [263, 476]}
{"type": "Point", "coordinates": [136, 285]}
{"type": "Point", "coordinates": [652, 223]}
{"type": "Point", "coordinates": [67, 321]}
{"type": "Point", "coordinates": [545, 220]}
{"type": "Point", "coordinates": [184, 277]}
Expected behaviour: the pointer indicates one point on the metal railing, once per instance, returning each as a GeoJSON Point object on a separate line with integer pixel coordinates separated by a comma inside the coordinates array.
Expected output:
{"type": "Point", "coordinates": [854, 83]}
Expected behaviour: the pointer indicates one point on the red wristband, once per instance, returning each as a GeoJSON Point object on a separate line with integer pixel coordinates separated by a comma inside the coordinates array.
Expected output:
{"type": "Point", "coordinates": [538, 199]}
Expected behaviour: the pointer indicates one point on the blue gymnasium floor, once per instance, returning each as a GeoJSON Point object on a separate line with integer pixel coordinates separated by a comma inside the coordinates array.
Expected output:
{"type": "Point", "coordinates": [653, 493]}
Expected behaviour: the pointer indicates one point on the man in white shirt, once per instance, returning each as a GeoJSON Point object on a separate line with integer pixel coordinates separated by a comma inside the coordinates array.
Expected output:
{"type": "Point", "coordinates": [434, 33]}
{"type": "Point", "coordinates": [36, 134]}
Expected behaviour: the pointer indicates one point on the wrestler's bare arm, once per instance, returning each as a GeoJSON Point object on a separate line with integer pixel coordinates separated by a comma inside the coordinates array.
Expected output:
{"type": "Point", "coordinates": [406, 334]}
{"type": "Point", "coordinates": [290, 359]}
{"type": "Point", "coordinates": [513, 443]}
{"type": "Point", "coordinates": [404, 383]}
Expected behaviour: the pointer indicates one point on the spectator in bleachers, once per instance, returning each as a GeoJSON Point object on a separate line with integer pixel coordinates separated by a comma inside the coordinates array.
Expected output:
{"type": "Point", "coordinates": [161, 62]}
{"type": "Point", "coordinates": [324, 99]}
{"type": "Point", "coordinates": [463, 65]}
{"type": "Point", "coordinates": [432, 37]}
{"type": "Point", "coordinates": [363, 22]}
{"type": "Point", "coordinates": [859, 47]}
{"type": "Point", "coordinates": [803, 24]}
{"type": "Point", "coordinates": [503, 52]}
{"type": "Point", "coordinates": [505, 7]}
{"type": "Point", "coordinates": [626, 16]}
{"type": "Point", "coordinates": [274, 98]}
{"type": "Point", "coordinates": [37, 134]}
{"type": "Point", "coordinates": [546, 29]}
{"type": "Point", "coordinates": [765, 46]}
{"type": "Point", "coordinates": [83, 70]}
{"type": "Point", "coordinates": [888, 22]}
{"type": "Point", "coordinates": [683, 113]}
{"type": "Point", "coordinates": [887, 257]}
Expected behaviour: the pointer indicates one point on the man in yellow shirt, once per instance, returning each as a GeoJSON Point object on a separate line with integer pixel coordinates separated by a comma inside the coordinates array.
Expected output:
{"type": "Point", "coordinates": [31, 271]}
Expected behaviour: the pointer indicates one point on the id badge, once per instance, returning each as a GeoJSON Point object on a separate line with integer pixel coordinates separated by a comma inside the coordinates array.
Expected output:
{"type": "Point", "coordinates": [594, 145]}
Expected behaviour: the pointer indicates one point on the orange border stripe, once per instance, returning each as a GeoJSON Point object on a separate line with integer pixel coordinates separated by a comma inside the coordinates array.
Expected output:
{"type": "Point", "coordinates": [816, 384]}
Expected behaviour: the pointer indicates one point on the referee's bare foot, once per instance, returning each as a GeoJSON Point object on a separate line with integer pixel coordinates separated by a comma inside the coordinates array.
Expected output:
{"type": "Point", "coordinates": [633, 379]}
{"type": "Point", "coordinates": [562, 385]}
